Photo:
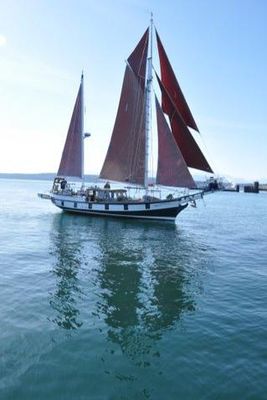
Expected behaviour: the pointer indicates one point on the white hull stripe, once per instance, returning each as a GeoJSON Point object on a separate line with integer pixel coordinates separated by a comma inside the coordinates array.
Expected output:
{"type": "Point", "coordinates": [164, 210]}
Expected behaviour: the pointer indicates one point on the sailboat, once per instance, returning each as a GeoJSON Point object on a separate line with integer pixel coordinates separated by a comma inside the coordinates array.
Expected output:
{"type": "Point", "coordinates": [127, 158]}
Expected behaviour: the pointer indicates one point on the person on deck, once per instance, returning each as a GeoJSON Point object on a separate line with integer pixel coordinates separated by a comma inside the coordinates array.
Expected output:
{"type": "Point", "coordinates": [63, 184]}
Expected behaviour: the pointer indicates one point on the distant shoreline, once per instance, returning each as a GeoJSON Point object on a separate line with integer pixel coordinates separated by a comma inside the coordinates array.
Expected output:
{"type": "Point", "coordinates": [46, 176]}
{"type": "Point", "coordinates": [49, 176]}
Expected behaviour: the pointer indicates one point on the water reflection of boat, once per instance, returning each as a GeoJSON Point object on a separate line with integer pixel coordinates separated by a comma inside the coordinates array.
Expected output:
{"type": "Point", "coordinates": [66, 249]}
{"type": "Point", "coordinates": [145, 287]}
{"type": "Point", "coordinates": [119, 267]}
{"type": "Point", "coordinates": [143, 292]}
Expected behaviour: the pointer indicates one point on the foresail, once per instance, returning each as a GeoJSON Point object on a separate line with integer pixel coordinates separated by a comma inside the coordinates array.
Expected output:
{"type": "Point", "coordinates": [190, 150]}
{"type": "Point", "coordinates": [173, 89]}
{"type": "Point", "coordinates": [172, 168]}
{"type": "Point", "coordinates": [125, 159]}
{"type": "Point", "coordinates": [71, 160]}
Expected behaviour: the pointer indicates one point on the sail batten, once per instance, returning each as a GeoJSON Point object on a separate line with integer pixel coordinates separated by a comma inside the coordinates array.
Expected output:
{"type": "Point", "coordinates": [71, 164]}
{"type": "Point", "coordinates": [172, 169]}
{"type": "Point", "coordinates": [189, 148]}
{"type": "Point", "coordinates": [173, 89]}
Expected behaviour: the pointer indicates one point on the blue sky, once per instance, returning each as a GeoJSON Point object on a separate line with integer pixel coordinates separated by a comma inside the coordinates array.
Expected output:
{"type": "Point", "coordinates": [217, 49]}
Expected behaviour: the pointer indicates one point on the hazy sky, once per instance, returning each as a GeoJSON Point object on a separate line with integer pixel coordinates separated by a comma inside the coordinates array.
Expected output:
{"type": "Point", "coordinates": [217, 49]}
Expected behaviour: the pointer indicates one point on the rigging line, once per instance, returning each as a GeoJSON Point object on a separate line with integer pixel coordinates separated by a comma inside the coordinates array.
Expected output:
{"type": "Point", "coordinates": [135, 119]}
{"type": "Point", "coordinates": [140, 139]}
{"type": "Point", "coordinates": [206, 148]}
{"type": "Point", "coordinates": [136, 125]}
{"type": "Point", "coordinates": [130, 153]}
{"type": "Point", "coordinates": [152, 137]}
{"type": "Point", "coordinates": [155, 136]}
{"type": "Point", "coordinates": [142, 58]}
{"type": "Point", "coordinates": [140, 104]}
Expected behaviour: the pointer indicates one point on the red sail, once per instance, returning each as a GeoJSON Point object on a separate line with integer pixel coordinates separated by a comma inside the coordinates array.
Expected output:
{"type": "Point", "coordinates": [71, 160]}
{"type": "Point", "coordinates": [125, 159]}
{"type": "Point", "coordinates": [137, 59]}
{"type": "Point", "coordinates": [190, 150]}
{"type": "Point", "coordinates": [172, 87]}
{"type": "Point", "coordinates": [172, 168]}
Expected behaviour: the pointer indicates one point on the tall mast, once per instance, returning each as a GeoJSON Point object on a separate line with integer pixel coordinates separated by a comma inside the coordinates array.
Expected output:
{"type": "Point", "coordinates": [148, 103]}
{"type": "Point", "coordinates": [82, 130]}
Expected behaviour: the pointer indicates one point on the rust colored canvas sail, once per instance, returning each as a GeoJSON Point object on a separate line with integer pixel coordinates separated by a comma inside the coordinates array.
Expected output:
{"type": "Point", "coordinates": [125, 159]}
{"type": "Point", "coordinates": [190, 150]}
{"type": "Point", "coordinates": [137, 59]}
{"type": "Point", "coordinates": [71, 160]}
{"type": "Point", "coordinates": [172, 87]}
{"type": "Point", "coordinates": [172, 168]}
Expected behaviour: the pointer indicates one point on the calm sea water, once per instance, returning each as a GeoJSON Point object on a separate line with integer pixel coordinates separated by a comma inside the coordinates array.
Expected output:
{"type": "Point", "coordinates": [95, 308]}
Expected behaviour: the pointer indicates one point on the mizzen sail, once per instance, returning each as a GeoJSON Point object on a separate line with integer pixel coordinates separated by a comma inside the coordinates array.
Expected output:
{"type": "Point", "coordinates": [173, 89]}
{"type": "Point", "coordinates": [172, 169]}
{"type": "Point", "coordinates": [71, 163]}
{"type": "Point", "coordinates": [125, 159]}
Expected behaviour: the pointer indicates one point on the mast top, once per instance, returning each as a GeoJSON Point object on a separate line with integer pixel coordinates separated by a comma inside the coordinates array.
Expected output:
{"type": "Point", "coordinates": [151, 35]}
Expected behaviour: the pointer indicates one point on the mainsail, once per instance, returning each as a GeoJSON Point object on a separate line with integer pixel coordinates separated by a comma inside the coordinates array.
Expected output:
{"type": "Point", "coordinates": [125, 159]}
{"type": "Point", "coordinates": [172, 168]}
{"type": "Point", "coordinates": [71, 164]}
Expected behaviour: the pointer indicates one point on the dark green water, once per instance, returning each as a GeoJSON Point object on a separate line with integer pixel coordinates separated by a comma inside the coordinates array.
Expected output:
{"type": "Point", "coordinates": [96, 308]}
